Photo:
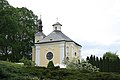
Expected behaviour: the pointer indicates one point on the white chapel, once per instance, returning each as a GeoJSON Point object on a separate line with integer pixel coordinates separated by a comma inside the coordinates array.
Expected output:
{"type": "Point", "coordinates": [56, 47]}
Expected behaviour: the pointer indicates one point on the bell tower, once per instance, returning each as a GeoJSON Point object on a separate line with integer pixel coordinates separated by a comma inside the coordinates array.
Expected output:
{"type": "Point", "coordinates": [39, 35]}
{"type": "Point", "coordinates": [57, 26]}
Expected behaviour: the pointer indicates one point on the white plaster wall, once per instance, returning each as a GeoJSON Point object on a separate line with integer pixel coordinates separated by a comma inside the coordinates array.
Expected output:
{"type": "Point", "coordinates": [80, 53]}
{"type": "Point", "coordinates": [58, 27]}
{"type": "Point", "coordinates": [37, 60]}
{"type": "Point", "coordinates": [61, 53]}
{"type": "Point", "coordinates": [73, 51]}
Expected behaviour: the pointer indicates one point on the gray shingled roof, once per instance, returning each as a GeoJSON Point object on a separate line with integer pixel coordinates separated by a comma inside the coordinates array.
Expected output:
{"type": "Point", "coordinates": [56, 36]}
{"type": "Point", "coordinates": [40, 34]}
{"type": "Point", "coordinates": [57, 23]}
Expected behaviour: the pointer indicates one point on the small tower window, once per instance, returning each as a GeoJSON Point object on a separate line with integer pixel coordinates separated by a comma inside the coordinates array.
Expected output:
{"type": "Point", "coordinates": [55, 28]}
{"type": "Point", "coordinates": [67, 58]}
{"type": "Point", "coordinates": [37, 40]}
{"type": "Point", "coordinates": [51, 39]}
{"type": "Point", "coordinates": [75, 53]}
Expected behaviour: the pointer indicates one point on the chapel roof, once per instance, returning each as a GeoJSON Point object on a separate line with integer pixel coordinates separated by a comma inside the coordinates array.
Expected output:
{"type": "Point", "coordinates": [57, 36]}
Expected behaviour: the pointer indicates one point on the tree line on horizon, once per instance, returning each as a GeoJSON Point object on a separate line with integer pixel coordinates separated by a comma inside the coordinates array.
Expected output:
{"type": "Point", "coordinates": [110, 62]}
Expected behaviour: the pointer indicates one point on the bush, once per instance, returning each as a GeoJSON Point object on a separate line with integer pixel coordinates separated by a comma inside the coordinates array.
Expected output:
{"type": "Point", "coordinates": [50, 65]}
{"type": "Point", "coordinates": [82, 66]}
{"type": "Point", "coordinates": [12, 71]}
{"type": "Point", "coordinates": [57, 67]}
{"type": "Point", "coordinates": [27, 62]}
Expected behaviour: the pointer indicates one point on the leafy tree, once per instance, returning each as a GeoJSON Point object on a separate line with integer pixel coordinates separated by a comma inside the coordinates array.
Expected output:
{"type": "Point", "coordinates": [4, 4]}
{"type": "Point", "coordinates": [110, 55]}
{"type": "Point", "coordinates": [27, 24]}
{"type": "Point", "coordinates": [17, 28]}
{"type": "Point", "coordinates": [8, 29]}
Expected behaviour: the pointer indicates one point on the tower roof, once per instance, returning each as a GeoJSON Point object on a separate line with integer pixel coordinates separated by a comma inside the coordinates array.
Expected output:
{"type": "Point", "coordinates": [40, 25]}
{"type": "Point", "coordinates": [40, 31]}
{"type": "Point", "coordinates": [57, 23]}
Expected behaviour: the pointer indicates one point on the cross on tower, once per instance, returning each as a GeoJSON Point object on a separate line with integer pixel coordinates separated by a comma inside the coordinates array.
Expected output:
{"type": "Point", "coordinates": [57, 19]}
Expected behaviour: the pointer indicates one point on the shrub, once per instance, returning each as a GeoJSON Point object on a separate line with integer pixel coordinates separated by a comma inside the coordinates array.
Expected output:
{"type": "Point", "coordinates": [27, 62]}
{"type": "Point", "coordinates": [50, 65]}
{"type": "Point", "coordinates": [57, 67]}
{"type": "Point", "coordinates": [82, 66]}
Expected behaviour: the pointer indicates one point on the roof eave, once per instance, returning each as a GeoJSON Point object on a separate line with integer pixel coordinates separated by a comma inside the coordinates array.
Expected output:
{"type": "Point", "coordinates": [58, 41]}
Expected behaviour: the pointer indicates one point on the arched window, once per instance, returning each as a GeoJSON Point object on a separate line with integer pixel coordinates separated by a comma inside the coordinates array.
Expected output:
{"type": "Point", "coordinates": [55, 28]}
{"type": "Point", "coordinates": [67, 54]}
{"type": "Point", "coordinates": [75, 54]}
{"type": "Point", "coordinates": [67, 58]}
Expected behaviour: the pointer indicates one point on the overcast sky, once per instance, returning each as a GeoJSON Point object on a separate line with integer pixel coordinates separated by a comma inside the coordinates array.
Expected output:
{"type": "Point", "coordinates": [95, 24]}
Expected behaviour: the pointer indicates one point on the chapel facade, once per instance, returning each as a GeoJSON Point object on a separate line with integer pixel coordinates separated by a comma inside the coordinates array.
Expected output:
{"type": "Point", "coordinates": [56, 47]}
